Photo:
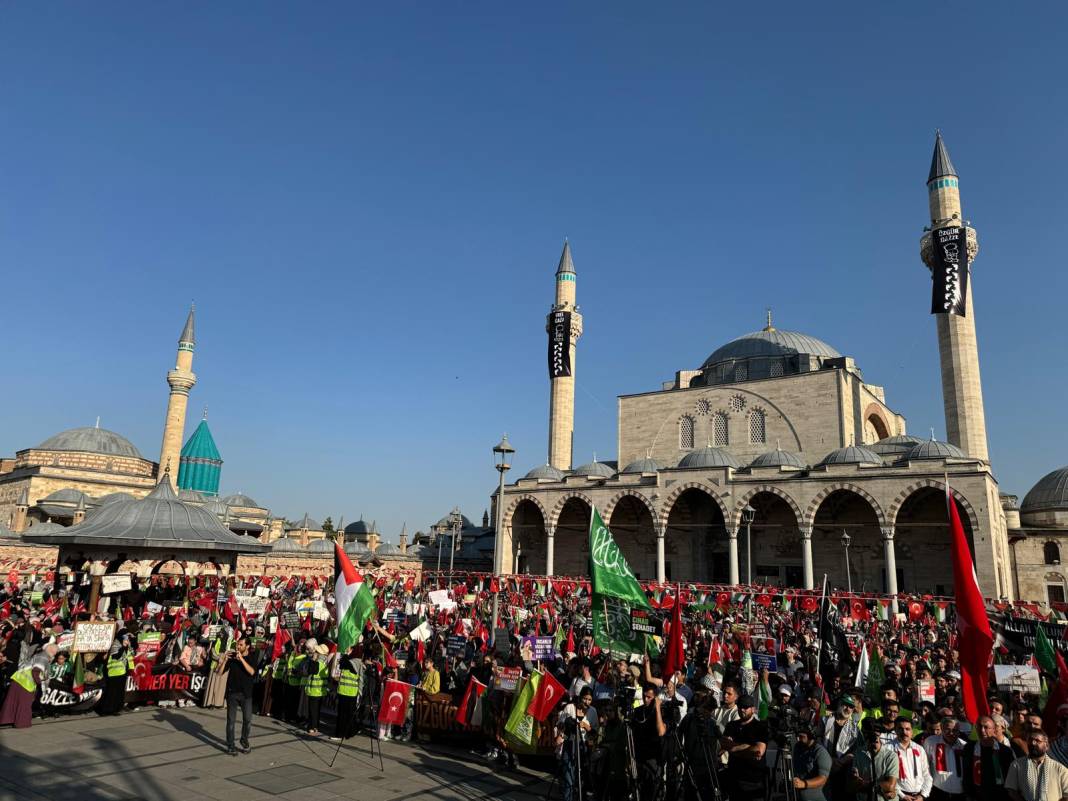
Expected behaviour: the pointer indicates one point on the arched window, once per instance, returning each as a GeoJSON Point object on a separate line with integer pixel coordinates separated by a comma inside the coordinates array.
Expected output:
{"type": "Point", "coordinates": [686, 433]}
{"type": "Point", "coordinates": [757, 431]}
{"type": "Point", "coordinates": [1051, 553]}
{"type": "Point", "coordinates": [720, 437]}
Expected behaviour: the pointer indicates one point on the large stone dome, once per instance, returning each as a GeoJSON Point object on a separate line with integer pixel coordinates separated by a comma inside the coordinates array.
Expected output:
{"type": "Point", "coordinates": [91, 440]}
{"type": "Point", "coordinates": [769, 353]}
{"type": "Point", "coordinates": [1049, 494]}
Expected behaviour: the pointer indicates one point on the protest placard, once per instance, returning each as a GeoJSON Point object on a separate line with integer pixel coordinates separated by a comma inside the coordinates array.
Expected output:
{"type": "Point", "coordinates": [640, 621]}
{"type": "Point", "coordinates": [117, 583]}
{"type": "Point", "coordinates": [537, 649]}
{"type": "Point", "coordinates": [765, 661]}
{"type": "Point", "coordinates": [455, 645]}
{"type": "Point", "coordinates": [1018, 677]}
{"type": "Point", "coordinates": [508, 679]}
{"type": "Point", "coordinates": [93, 638]}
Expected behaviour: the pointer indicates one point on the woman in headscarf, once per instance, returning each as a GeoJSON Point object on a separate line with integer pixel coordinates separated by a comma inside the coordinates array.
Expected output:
{"type": "Point", "coordinates": [118, 664]}
{"type": "Point", "coordinates": [17, 710]}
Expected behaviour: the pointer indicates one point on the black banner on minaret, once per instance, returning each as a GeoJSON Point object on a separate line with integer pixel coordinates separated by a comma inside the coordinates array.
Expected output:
{"type": "Point", "coordinates": [560, 344]}
{"type": "Point", "coordinates": [949, 272]}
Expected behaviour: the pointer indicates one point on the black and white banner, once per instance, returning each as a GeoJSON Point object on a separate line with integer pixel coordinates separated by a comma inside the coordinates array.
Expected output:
{"type": "Point", "coordinates": [560, 344]}
{"type": "Point", "coordinates": [949, 250]}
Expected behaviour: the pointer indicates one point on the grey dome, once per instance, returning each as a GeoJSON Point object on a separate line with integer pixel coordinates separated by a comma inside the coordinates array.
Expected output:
{"type": "Point", "coordinates": [709, 457]}
{"type": "Point", "coordinates": [67, 496]}
{"type": "Point", "coordinates": [1050, 493]}
{"type": "Point", "coordinates": [321, 546]}
{"type": "Point", "coordinates": [770, 343]}
{"type": "Point", "coordinates": [894, 446]}
{"type": "Point", "coordinates": [359, 527]}
{"type": "Point", "coordinates": [594, 469]}
{"type": "Point", "coordinates": [357, 549]}
{"type": "Point", "coordinates": [287, 545]}
{"type": "Point", "coordinates": [45, 528]}
{"type": "Point", "coordinates": [778, 458]}
{"type": "Point", "coordinates": [238, 499]}
{"type": "Point", "coordinates": [91, 440]}
{"type": "Point", "coordinates": [158, 520]}
{"type": "Point", "coordinates": [546, 472]}
{"type": "Point", "coordinates": [646, 465]}
{"type": "Point", "coordinates": [853, 454]}
{"type": "Point", "coordinates": [190, 495]}
{"type": "Point", "coordinates": [388, 549]}
{"type": "Point", "coordinates": [114, 497]}
{"type": "Point", "coordinates": [306, 523]}
{"type": "Point", "coordinates": [216, 507]}
{"type": "Point", "coordinates": [933, 449]}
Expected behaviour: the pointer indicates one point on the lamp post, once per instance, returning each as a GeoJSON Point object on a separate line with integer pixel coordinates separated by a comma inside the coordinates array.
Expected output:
{"type": "Point", "coordinates": [518, 556]}
{"type": "Point", "coordinates": [748, 514]}
{"type": "Point", "coordinates": [845, 544]}
{"type": "Point", "coordinates": [454, 525]}
{"type": "Point", "coordinates": [502, 453]}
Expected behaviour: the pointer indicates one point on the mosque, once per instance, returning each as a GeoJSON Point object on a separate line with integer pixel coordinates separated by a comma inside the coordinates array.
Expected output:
{"type": "Point", "coordinates": [777, 460]}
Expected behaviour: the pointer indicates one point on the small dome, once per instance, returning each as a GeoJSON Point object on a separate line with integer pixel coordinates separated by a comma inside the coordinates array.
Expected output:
{"type": "Point", "coordinates": [240, 500]}
{"type": "Point", "coordinates": [594, 470]}
{"type": "Point", "coordinates": [853, 454]}
{"type": "Point", "coordinates": [359, 527]}
{"type": "Point", "coordinates": [287, 545]}
{"type": "Point", "coordinates": [190, 495]}
{"type": "Point", "coordinates": [216, 507]}
{"type": "Point", "coordinates": [1050, 493]}
{"type": "Point", "coordinates": [709, 457]}
{"type": "Point", "coordinates": [114, 498]}
{"type": "Point", "coordinates": [321, 546]}
{"type": "Point", "coordinates": [306, 523]}
{"type": "Point", "coordinates": [388, 549]}
{"type": "Point", "coordinates": [45, 528]}
{"type": "Point", "coordinates": [933, 449]}
{"type": "Point", "coordinates": [546, 472]}
{"type": "Point", "coordinates": [90, 440]}
{"type": "Point", "coordinates": [894, 446]}
{"type": "Point", "coordinates": [67, 496]}
{"type": "Point", "coordinates": [646, 465]}
{"type": "Point", "coordinates": [778, 458]}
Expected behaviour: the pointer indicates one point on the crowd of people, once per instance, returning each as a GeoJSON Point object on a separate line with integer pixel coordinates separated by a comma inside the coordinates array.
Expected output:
{"type": "Point", "coordinates": [760, 705]}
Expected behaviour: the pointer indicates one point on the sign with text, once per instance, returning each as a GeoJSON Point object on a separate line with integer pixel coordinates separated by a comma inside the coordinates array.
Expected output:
{"type": "Point", "coordinates": [949, 271]}
{"type": "Point", "coordinates": [765, 662]}
{"type": "Point", "coordinates": [508, 679]}
{"type": "Point", "coordinates": [537, 649]}
{"type": "Point", "coordinates": [455, 645]}
{"type": "Point", "coordinates": [560, 344]}
{"type": "Point", "coordinates": [1018, 677]}
{"type": "Point", "coordinates": [116, 583]}
{"type": "Point", "coordinates": [93, 638]}
{"type": "Point", "coordinates": [640, 622]}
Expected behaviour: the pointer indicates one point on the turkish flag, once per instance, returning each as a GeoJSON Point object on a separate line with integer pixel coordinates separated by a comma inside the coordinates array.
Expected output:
{"type": "Point", "coordinates": [763, 600]}
{"type": "Point", "coordinates": [809, 604]}
{"type": "Point", "coordinates": [675, 656]}
{"type": "Point", "coordinates": [281, 637]}
{"type": "Point", "coordinates": [859, 610]}
{"type": "Point", "coordinates": [394, 708]}
{"type": "Point", "coordinates": [723, 599]}
{"type": "Point", "coordinates": [549, 693]}
{"type": "Point", "coordinates": [976, 640]}
{"type": "Point", "coordinates": [917, 609]}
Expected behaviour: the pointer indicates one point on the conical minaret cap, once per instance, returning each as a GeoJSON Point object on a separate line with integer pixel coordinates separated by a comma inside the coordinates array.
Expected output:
{"type": "Point", "coordinates": [941, 166]}
{"type": "Point", "coordinates": [188, 333]}
{"type": "Point", "coordinates": [566, 265]}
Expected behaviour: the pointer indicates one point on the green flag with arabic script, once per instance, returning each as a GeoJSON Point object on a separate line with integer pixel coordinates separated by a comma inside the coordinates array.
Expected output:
{"type": "Point", "coordinates": [615, 592]}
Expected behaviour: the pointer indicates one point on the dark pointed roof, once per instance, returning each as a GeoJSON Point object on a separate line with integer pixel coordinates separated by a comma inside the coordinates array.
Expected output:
{"type": "Point", "coordinates": [940, 163]}
{"type": "Point", "coordinates": [187, 332]}
{"type": "Point", "coordinates": [565, 265]}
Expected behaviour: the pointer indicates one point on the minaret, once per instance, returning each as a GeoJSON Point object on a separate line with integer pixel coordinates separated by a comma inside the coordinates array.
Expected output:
{"type": "Point", "coordinates": [181, 380]}
{"type": "Point", "coordinates": [22, 508]}
{"type": "Point", "coordinates": [962, 393]}
{"type": "Point", "coordinates": [564, 321]}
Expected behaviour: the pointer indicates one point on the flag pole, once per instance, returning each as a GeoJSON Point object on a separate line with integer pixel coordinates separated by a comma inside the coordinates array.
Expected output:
{"type": "Point", "coordinates": [819, 627]}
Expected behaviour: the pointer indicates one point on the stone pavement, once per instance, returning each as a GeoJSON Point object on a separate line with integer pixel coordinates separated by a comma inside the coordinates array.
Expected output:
{"type": "Point", "coordinates": [155, 754]}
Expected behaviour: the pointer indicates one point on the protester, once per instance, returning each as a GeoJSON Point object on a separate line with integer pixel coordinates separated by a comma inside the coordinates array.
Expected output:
{"type": "Point", "coordinates": [243, 664]}
{"type": "Point", "coordinates": [18, 703]}
{"type": "Point", "coordinates": [987, 763]}
{"type": "Point", "coordinates": [914, 781]}
{"type": "Point", "coordinates": [875, 767]}
{"type": "Point", "coordinates": [1037, 777]}
{"type": "Point", "coordinates": [811, 765]}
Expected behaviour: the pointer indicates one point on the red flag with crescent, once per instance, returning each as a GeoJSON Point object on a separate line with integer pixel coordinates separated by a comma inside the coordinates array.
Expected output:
{"type": "Point", "coordinates": [549, 693]}
{"type": "Point", "coordinates": [394, 708]}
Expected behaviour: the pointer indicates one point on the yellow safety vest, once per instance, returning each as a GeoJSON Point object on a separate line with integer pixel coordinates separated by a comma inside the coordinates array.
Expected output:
{"type": "Point", "coordinates": [24, 679]}
{"type": "Point", "coordinates": [316, 687]}
{"type": "Point", "coordinates": [294, 679]}
{"type": "Point", "coordinates": [279, 669]}
{"type": "Point", "coordinates": [348, 684]}
{"type": "Point", "coordinates": [116, 667]}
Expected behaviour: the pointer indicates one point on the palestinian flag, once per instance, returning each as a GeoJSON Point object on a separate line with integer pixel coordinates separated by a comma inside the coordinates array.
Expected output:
{"type": "Point", "coordinates": [354, 603]}
{"type": "Point", "coordinates": [940, 611]}
{"type": "Point", "coordinates": [884, 610]}
{"type": "Point", "coordinates": [79, 675]}
{"type": "Point", "coordinates": [787, 602]}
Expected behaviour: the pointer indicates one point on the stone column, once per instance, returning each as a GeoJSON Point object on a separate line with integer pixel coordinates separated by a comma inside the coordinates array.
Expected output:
{"type": "Point", "coordinates": [661, 573]}
{"type": "Point", "coordinates": [890, 558]}
{"type": "Point", "coordinates": [550, 537]}
{"type": "Point", "coordinates": [806, 558]}
{"type": "Point", "coordinates": [732, 534]}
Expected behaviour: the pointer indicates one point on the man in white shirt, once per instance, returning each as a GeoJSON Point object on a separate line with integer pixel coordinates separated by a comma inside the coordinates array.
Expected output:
{"type": "Point", "coordinates": [945, 752]}
{"type": "Point", "coordinates": [914, 780]}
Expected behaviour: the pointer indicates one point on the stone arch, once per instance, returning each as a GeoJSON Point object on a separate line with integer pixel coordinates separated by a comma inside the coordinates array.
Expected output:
{"type": "Point", "coordinates": [633, 523]}
{"type": "Point", "coordinates": [527, 540]}
{"type": "Point", "coordinates": [736, 515]}
{"type": "Point", "coordinates": [827, 491]}
{"type": "Point", "coordinates": [696, 543]}
{"type": "Point", "coordinates": [554, 517]}
{"type": "Point", "coordinates": [873, 416]}
{"type": "Point", "coordinates": [518, 499]}
{"type": "Point", "coordinates": [899, 501]}
{"type": "Point", "coordinates": [606, 513]}
{"type": "Point", "coordinates": [669, 502]}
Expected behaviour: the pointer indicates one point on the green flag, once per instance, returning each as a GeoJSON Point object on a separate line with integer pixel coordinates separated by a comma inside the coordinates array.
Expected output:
{"type": "Point", "coordinates": [615, 592]}
{"type": "Point", "coordinates": [519, 728]}
{"type": "Point", "coordinates": [1044, 654]}
{"type": "Point", "coordinates": [876, 675]}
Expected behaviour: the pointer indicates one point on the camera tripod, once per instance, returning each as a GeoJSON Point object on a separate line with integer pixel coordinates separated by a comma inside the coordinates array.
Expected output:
{"type": "Point", "coordinates": [714, 792]}
{"type": "Point", "coordinates": [372, 733]}
{"type": "Point", "coordinates": [783, 773]}
{"type": "Point", "coordinates": [573, 745]}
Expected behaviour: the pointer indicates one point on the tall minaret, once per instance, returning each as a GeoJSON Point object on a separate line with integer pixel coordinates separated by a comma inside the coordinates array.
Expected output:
{"type": "Point", "coordinates": [962, 393]}
{"type": "Point", "coordinates": [564, 321]}
{"type": "Point", "coordinates": [181, 380]}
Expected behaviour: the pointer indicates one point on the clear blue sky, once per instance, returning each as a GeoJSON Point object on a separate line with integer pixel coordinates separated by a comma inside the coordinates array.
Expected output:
{"type": "Point", "coordinates": [367, 202]}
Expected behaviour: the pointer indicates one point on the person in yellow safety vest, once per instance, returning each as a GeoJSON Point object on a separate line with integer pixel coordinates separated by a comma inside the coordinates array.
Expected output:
{"type": "Point", "coordinates": [349, 682]}
{"type": "Point", "coordinates": [17, 709]}
{"type": "Point", "coordinates": [119, 663]}
{"type": "Point", "coordinates": [279, 685]}
{"type": "Point", "coordinates": [317, 677]}
{"type": "Point", "coordinates": [294, 681]}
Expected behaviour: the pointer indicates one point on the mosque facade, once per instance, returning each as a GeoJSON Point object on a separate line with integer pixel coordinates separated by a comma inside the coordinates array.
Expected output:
{"type": "Point", "coordinates": [777, 461]}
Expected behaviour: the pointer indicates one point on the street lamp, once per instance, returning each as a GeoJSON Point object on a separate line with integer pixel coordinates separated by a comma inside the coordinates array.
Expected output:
{"type": "Point", "coordinates": [502, 453]}
{"type": "Point", "coordinates": [748, 514]}
{"type": "Point", "coordinates": [454, 525]}
{"type": "Point", "coordinates": [845, 544]}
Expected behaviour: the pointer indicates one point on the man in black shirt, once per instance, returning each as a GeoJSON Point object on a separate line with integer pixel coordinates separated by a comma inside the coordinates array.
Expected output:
{"type": "Point", "coordinates": [239, 692]}
{"type": "Point", "coordinates": [745, 741]}
{"type": "Point", "coordinates": [647, 725]}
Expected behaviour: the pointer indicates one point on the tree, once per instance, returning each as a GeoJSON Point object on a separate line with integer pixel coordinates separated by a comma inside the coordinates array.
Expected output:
{"type": "Point", "coordinates": [328, 525]}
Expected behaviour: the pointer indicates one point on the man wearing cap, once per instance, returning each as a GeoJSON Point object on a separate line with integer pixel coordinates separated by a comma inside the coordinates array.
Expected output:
{"type": "Point", "coordinates": [745, 741]}
{"type": "Point", "coordinates": [317, 676]}
{"type": "Point", "coordinates": [840, 733]}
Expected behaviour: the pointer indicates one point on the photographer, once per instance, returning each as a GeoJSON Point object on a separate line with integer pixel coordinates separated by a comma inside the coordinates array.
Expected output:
{"type": "Point", "coordinates": [745, 741]}
{"type": "Point", "coordinates": [239, 692]}
{"type": "Point", "coordinates": [576, 729]}
{"type": "Point", "coordinates": [700, 736]}
{"type": "Point", "coordinates": [647, 725]}
{"type": "Point", "coordinates": [875, 768]}
{"type": "Point", "coordinates": [812, 766]}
